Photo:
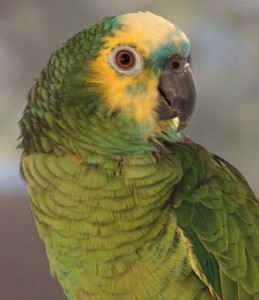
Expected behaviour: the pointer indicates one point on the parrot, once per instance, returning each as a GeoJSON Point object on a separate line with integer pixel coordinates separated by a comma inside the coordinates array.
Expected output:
{"type": "Point", "coordinates": [127, 205]}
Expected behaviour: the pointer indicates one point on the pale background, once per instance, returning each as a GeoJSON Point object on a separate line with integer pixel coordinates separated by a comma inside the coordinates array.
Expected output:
{"type": "Point", "coordinates": [225, 51]}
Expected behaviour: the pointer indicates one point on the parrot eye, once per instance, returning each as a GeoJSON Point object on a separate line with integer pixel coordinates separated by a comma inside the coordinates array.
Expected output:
{"type": "Point", "coordinates": [125, 60]}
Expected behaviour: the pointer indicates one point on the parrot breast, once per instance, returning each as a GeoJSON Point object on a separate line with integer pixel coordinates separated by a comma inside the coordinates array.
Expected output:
{"type": "Point", "coordinates": [110, 236]}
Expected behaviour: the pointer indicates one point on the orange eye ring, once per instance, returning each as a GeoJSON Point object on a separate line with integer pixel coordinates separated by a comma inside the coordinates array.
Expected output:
{"type": "Point", "coordinates": [125, 59]}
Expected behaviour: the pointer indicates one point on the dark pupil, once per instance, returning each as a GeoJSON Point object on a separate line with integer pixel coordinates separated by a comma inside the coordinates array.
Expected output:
{"type": "Point", "coordinates": [176, 64]}
{"type": "Point", "coordinates": [125, 59]}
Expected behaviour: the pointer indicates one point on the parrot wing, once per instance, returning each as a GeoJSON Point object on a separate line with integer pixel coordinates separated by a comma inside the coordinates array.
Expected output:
{"type": "Point", "coordinates": [219, 214]}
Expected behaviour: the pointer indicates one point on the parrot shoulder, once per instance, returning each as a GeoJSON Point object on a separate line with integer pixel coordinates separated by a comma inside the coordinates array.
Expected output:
{"type": "Point", "coordinates": [219, 215]}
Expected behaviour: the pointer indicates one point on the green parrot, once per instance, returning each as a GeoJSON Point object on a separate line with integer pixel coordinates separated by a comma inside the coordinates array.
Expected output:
{"type": "Point", "coordinates": [129, 207]}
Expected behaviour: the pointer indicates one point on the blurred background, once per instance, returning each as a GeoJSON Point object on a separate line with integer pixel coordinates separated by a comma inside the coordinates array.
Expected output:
{"type": "Point", "coordinates": [225, 51]}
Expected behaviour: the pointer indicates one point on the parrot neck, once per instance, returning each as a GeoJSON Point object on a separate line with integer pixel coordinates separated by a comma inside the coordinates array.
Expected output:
{"type": "Point", "coordinates": [96, 137]}
{"type": "Point", "coordinates": [91, 132]}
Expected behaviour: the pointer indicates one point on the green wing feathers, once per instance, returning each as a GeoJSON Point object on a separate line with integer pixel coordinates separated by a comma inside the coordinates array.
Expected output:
{"type": "Point", "coordinates": [219, 214]}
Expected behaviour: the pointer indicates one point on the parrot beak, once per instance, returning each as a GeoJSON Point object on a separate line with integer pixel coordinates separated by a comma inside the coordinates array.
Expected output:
{"type": "Point", "coordinates": [177, 92]}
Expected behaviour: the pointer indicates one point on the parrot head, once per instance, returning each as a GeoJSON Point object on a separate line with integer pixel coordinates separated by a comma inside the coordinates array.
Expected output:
{"type": "Point", "coordinates": [143, 70]}
{"type": "Point", "coordinates": [131, 70]}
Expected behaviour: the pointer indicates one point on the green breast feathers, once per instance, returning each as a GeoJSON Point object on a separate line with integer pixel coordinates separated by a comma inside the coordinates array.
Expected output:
{"type": "Point", "coordinates": [127, 206]}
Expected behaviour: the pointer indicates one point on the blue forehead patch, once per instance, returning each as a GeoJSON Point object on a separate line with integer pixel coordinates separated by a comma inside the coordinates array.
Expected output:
{"type": "Point", "coordinates": [158, 57]}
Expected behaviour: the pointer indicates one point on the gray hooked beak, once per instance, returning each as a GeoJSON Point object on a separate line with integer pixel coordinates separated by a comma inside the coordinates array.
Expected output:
{"type": "Point", "coordinates": [177, 92]}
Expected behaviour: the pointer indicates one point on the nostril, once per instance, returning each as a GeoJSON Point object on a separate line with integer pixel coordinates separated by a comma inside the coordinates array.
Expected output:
{"type": "Point", "coordinates": [175, 65]}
